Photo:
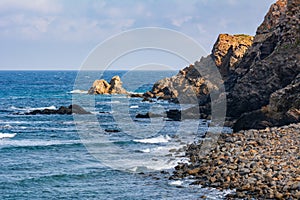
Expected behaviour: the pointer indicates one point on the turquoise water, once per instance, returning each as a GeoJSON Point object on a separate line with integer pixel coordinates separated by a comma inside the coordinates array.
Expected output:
{"type": "Point", "coordinates": [44, 156]}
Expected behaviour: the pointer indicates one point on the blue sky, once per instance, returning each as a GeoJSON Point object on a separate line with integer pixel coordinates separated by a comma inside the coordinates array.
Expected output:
{"type": "Point", "coordinates": [59, 34]}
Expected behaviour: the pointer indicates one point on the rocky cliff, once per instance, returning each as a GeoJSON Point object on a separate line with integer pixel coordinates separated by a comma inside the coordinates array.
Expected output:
{"type": "Point", "coordinates": [261, 74]}
{"type": "Point", "coordinates": [189, 84]}
{"type": "Point", "coordinates": [264, 89]}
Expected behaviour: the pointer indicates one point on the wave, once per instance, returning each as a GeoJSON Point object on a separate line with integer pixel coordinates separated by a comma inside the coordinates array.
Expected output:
{"type": "Point", "coordinates": [78, 92]}
{"type": "Point", "coordinates": [7, 135]}
{"type": "Point", "coordinates": [31, 109]}
{"type": "Point", "coordinates": [155, 140]}
{"type": "Point", "coordinates": [6, 126]}
{"type": "Point", "coordinates": [36, 143]}
{"type": "Point", "coordinates": [176, 183]}
{"type": "Point", "coordinates": [134, 107]}
{"type": "Point", "coordinates": [108, 102]}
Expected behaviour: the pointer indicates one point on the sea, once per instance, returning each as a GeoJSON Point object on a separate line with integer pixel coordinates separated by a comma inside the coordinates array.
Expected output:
{"type": "Point", "coordinates": [108, 154]}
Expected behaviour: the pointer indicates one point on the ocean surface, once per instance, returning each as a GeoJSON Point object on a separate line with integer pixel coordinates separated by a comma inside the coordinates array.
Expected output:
{"type": "Point", "coordinates": [106, 155]}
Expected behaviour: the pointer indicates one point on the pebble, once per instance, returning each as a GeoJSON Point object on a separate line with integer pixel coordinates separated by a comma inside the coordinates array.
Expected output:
{"type": "Point", "coordinates": [257, 163]}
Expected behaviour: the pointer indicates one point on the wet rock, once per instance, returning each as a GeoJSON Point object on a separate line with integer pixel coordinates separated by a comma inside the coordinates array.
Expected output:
{"type": "Point", "coordinates": [72, 109]}
{"type": "Point", "coordinates": [147, 115]}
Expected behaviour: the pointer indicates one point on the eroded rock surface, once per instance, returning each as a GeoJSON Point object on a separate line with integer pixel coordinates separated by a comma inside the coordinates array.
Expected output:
{"type": "Point", "coordinates": [103, 87]}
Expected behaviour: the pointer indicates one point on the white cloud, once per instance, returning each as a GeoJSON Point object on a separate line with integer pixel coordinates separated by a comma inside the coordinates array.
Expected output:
{"type": "Point", "coordinates": [179, 21]}
{"type": "Point", "coordinates": [40, 6]}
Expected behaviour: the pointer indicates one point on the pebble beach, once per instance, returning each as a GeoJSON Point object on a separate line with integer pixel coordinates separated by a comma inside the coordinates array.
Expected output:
{"type": "Point", "coordinates": [260, 164]}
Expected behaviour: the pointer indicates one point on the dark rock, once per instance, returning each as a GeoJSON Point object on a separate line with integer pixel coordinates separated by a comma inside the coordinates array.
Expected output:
{"type": "Point", "coordinates": [266, 78]}
{"type": "Point", "coordinates": [174, 115]}
{"type": "Point", "coordinates": [147, 115]}
{"type": "Point", "coordinates": [112, 130]}
{"type": "Point", "coordinates": [72, 109]}
{"type": "Point", "coordinates": [136, 95]}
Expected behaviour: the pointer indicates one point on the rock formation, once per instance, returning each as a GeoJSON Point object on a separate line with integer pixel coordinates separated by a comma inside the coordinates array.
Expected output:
{"type": "Point", "coordinates": [261, 78]}
{"type": "Point", "coordinates": [264, 90]}
{"type": "Point", "coordinates": [103, 87]}
{"type": "Point", "coordinates": [189, 85]}
{"type": "Point", "coordinates": [228, 50]}
{"type": "Point", "coordinates": [72, 109]}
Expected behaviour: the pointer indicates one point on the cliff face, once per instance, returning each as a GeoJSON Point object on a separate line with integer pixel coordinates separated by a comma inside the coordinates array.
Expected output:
{"type": "Point", "coordinates": [265, 81]}
{"type": "Point", "coordinates": [228, 50]}
{"type": "Point", "coordinates": [261, 74]}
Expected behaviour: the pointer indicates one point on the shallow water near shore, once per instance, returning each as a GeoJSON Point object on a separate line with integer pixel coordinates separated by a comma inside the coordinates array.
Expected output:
{"type": "Point", "coordinates": [43, 156]}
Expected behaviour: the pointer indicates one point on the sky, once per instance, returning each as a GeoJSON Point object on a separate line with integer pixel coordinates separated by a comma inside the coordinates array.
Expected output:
{"type": "Point", "coordinates": [60, 34]}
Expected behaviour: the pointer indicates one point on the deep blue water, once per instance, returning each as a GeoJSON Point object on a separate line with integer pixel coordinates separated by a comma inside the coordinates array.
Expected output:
{"type": "Point", "coordinates": [46, 156]}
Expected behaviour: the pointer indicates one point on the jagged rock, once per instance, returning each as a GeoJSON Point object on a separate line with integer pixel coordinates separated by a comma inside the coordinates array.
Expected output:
{"type": "Point", "coordinates": [191, 86]}
{"type": "Point", "coordinates": [284, 108]}
{"type": "Point", "coordinates": [116, 86]}
{"type": "Point", "coordinates": [72, 109]}
{"type": "Point", "coordinates": [103, 87]}
{"type": "Point", "coordinates": [228, 50]}
{"type": "Point", "coordinates": [265, 81]}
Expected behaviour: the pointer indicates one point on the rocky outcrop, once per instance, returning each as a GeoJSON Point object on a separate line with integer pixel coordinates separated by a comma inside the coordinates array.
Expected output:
{"type": "Point", "coordinates": [191, 86]}
{"type": "Point", "coordinates": [260, 73]}
{"type": "Point", "coordinates": [103, 87]}
{"type": "Point", "coordinates": [72, 109]}
{"type": "Point", "coordinates": [228, 50]}
{"type": "Point", "coordinates": [283, 108]}
{"type": "Point", "coordinates": [265, 81]}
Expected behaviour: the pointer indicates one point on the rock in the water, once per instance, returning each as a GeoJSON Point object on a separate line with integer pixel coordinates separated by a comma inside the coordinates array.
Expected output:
{"type": "Point", "coordinates": [116, 86]}
{"type": "Point", "coordinates": [103, 87]}
{"type": "Point", "coordinates": [147, 115]}
{"type": "Point", "coordinates": [174, 115]}
{"type": "Point", "coordinates": [72, 109]}
{"type": "Point", "coordinates": [112, 130]}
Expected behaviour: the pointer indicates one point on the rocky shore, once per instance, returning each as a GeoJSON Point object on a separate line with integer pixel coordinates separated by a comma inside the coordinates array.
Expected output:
{"type": "Point", "coordinates": [261, 164]}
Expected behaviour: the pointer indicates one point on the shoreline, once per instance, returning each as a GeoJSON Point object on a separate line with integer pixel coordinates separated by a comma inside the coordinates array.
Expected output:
{"type": "Point", "coordinates": [257, 163]}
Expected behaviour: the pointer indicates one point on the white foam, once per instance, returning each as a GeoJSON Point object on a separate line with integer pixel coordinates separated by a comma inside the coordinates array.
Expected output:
{"type": "Point", "coordinates": [31, 109]}
{"type": "Point", "coordinates": [155, 140]}
{"type": "Point", "coordinates": [78, 92]}
{"type": "Point", "coordinates": [134, 107]}
{"type": "Point", "coordinates": [7, 135]}
{"type": "Point", "coordinates": [176, 183]}
{"type": "Point", "coordinates": [33, 143]}
{"type": "Point", "coordinates": [146, 150]}
{"type": "Point", "coordinates": [7, 126]}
